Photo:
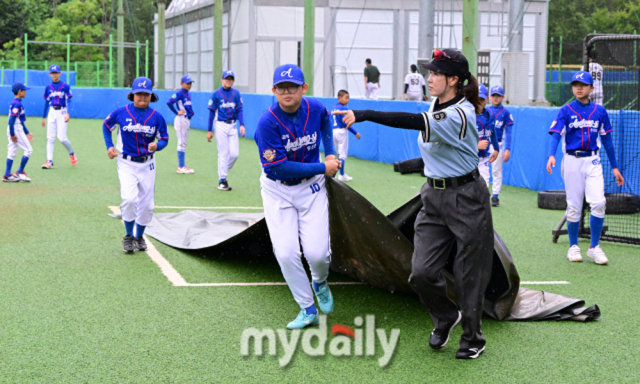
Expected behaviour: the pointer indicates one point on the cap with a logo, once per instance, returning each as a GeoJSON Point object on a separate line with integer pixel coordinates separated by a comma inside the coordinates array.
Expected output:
{"type": "Point", "coordinates": [450, 62]}
{"type": "Point", "coordinates": [54, 68]}
{"type": "Point", "coordinates": [228, 73]}
{"type": "Point", "coordinates": [18, 87]}
{"type": "Point", "coordinates": [582, 77]}
{"type": "Point", "coordinates": [482, 91]}
{"type": "Point", "coordinates": [186, 79]}
{"type": "Point", "coordinates": [142, 85]}
{"type": "Point", "coordinates": [288, 73]}
{"type": "Point", "coordinates": [497, 90]}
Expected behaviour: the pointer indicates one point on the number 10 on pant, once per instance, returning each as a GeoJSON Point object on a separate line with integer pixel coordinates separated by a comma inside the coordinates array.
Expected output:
{"type": "Point", "coordinates": [314, 188]}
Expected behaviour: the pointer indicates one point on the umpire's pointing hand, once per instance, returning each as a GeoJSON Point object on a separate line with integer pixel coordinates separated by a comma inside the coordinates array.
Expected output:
{"type": "Point", "coordinates": [349, 117]}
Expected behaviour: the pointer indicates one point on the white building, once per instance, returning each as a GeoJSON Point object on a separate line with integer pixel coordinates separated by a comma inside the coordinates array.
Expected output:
{"type": "Point", "coordinates": [259, 35]}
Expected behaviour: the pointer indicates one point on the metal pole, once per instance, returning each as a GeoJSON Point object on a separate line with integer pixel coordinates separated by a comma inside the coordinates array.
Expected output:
{"type": "Point", "coordinates": [551, 61]}
{"type": "Point", "coordinates": [120, 47]}
{"type": "Point", "coordinates": [560, 71]}
{"type": "Point", "coordinates": [516, 12]}
{"type": "Point", "coordinates": [426, 22]}
{"type": "Point", "coordinates": [68, 58]}
{"type": "Point", "coordinates": [309, 42]}
{"type": "Point", "coordinates": [110, 60]}
{"type": "Point", "coordinates": [26, 58]}
{"type": "Point", "coordinates": [137, 59]}
{"type": "Point", "coordinates": [161, 44]}
{"type": "Point", "coordinates": [635, 45]}
{"type": "Point", "coordinates": [146, 58]}
{"type": "Point", "coordinates": [46, 65]}
{"type": "Point", "coordinates": [98, 74]}
{"type": "Point", "coordinates": [217, 40]}
{"type": "Point", "coordinates": [470, 33]}
{"type": "Point", "coordinates": [75, 68]}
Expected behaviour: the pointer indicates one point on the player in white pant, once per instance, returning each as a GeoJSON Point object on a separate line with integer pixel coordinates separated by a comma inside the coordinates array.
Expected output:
{"type": "Point", "coordinates": [597, 73]}
{"type": "Point", "coordinates": [293, 189]}
{"type": "Point", "coordinates": [487, 150]}
{"type": "Point", "coordinates": [182, 122]}
{"type": "Point", "coordinates": [583, 125]}
{"type": "Point", "coordinates": [503, 128]}
{"type": "Point", "coordinates": [139, 126]}
{"type": "Point", "coordinates": [341, 134]}
{"type": "Point", "coordinates": [225, 108]}
{"type": "Point", "coordinates": [371, 80]}
{"type": "Point", "coordinates": [414, 86]}
{"type": "Point", "coordinates": [57, 97]}
{"type": "Point", "coordinates": [18, 136]}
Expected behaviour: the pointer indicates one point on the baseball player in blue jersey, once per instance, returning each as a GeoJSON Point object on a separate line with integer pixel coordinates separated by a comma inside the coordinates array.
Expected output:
{"type": "Point", "coordinates": [580, 123]}
{"type": "Point", "coordinates": [19, 136]}
{"type": "Point", "coordinates": [139, 126]}
{"type": "Point", "coordinates": [487, 151]}
{"type": "Point", "coordinates": [294, 196]}
{"type": "Point", "coordinates": [225, 107]}
{"type": "Point", "coordinates": [57, 96]}
{"type": "Point", "coordinates": [341, 133]}
{"type": "Point", "coordinates": [503, 127]}
{"type": "Point", "coordinates": [182, 122]}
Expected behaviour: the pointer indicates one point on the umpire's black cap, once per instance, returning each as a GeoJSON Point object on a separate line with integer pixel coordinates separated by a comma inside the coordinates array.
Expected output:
{"type": "Point", "coordinates": [449, 62]}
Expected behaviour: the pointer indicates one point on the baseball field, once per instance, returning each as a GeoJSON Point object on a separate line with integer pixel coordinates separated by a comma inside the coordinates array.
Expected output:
{"type": "Point", "coordinates": [75, 308]}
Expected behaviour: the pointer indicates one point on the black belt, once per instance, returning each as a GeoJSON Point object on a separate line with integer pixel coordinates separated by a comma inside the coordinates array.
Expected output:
{"type": "Point", "coordinates": [445, 183]}
{"type": "Point", "coordinates": [499, 140]}
{"type": "Point", "coordinates": [56, 107]}
{"type": "Point", "coordinates": [289, 183]}
{"type": "Point", "coordinates": [230, 121]}
{"type": "Point", "coordinates": [140, 159]}
{"type": "Point", "coordinates": [577, 153]}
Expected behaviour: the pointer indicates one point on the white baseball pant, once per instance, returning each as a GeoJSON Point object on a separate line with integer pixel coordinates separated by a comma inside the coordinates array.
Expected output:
{"type": "Point", "coordinates": [372, 91]}
{"type": "Point", "coordinates": [583, 178]}
{"type": "Point", "coordinates": [496, 170]}
{"type": "Point", "coordinates": [299, 215]}
{"type": "Point", "coordinates": [23, 142]}
{"type": "Point", "coordinates": [137, 184]}
{"type": "Point", "coordinates": [483, 167]}
{"type": "Point", "coordinates": [414, 96]}
{"type": "Point", "coordinates": [57, 126]}
{"type": "Point", "coordinates": [182, 125]}
{"type": "Point", "coordinates": [341, 142]}
{"type": "Point", "coordinates": [228, 147]}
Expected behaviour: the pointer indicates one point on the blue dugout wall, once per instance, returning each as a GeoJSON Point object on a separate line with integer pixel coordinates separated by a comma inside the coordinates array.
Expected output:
{"type": "Point", "coordinates": [527, 167]}
{"type": "Point", "coordinates": [34, 78]}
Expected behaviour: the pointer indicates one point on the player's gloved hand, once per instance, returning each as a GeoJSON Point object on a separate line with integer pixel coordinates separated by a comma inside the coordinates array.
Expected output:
{"type": "Point", "coordinates": [483, 144]}
{"type": "Point", "coordinates": [242, 130]}
{"type": "Point", "coordinates": [618, 176]}
{"type": "Point", "coordinates": [112, 153]}
{"type": "Point", "coordinates": [43, 123]}
{"type": "Point", "coordinates": [210, 136]}
{"type": "Point", "coordinates": [493, 156]}
{"type": "Point", "coordinates": [152, 147]}
{"type": "Point", "coordinates": [551, 163]}
{"type": "Point", "coordinates": [67, 117]}
{"type": "Point", "coordinates": [14, 139]}
{"type": "Point", "coordinates": [30, 136]}
{"type": "Point", "coordinates": [358, 136]}
{"type": "Point", "coordinates": [507, 155]}
{"type": "Point", "coordinates": [349, 117]}
{"type": "Point", "coordinates": [181, 112]}
{"type": "Point", "coordinates": [331, 167]}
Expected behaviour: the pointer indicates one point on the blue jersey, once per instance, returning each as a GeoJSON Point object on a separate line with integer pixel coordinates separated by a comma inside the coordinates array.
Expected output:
{"type": "Point", "coordinates": [228, 103]}
{"type": "Point", "coordinates": [58, 94]}
{"type": "Point", "coordinates": [138, 128]}
{"type": "Point", "coordinates": [503, 119]}
{"type": "Point", "coordinates": [183, 100]}
{"type": "Point", "coordinates": [280, 140]}
{"type": "Point", "coordinates": [337, 119]}
{"type": "Point", "coordinates": [580, 125]}
{"type": "Point", "coordinates": [17, 111]}
{"type": "Point", "coordinates": [486, 130]}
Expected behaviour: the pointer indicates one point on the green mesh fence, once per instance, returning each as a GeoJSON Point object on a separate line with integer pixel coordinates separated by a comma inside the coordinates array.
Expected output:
{"type": "Point", "coordinates": [89, 74]}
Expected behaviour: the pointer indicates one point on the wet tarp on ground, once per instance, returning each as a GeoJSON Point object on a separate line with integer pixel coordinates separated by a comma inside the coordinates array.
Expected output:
{"type": "Point", "coordinates": [368, 246]}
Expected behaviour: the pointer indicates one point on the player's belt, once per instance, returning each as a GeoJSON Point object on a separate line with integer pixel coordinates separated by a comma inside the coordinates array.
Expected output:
{"type": "Point", "coordinates": [582, 153]}
{"type": "Point", "coordinates": [230, 121]}
{"type": "Point", "coordinates": [445, 183]}
{"type": "Point", "coordinates": [56, 107]}
{"type": "Point", "coordinates": [140, 159]}
{"type": "Point", "coordinates": [288, 183]}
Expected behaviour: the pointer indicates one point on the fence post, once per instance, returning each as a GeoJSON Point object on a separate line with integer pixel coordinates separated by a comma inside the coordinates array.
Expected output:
{"type": "Point", "coordinates": [137, 58]}
{"type": "Point", "coordinates": [560, 70]}
{"type": "Point", "coordinates": [15, 64]}
{"type": "Point", "coordinates": [2, 78]}
{"type": "Point", "coordinates": [635, 45]}
{"type": "Point", "coordinates": [46, 65]}
{"type": "Point", "coordinates": [26, 59]}
{"type": "Point", "coordinates": [98, 74]}
{"type": "Point", "coordinates": [551, 61]}
{"type": "Point", "coordinates": [110, 61]}
{"type": "Point", "coordinates": [69, 58]}
{"type": "Point", "coordinates": [146, 58]}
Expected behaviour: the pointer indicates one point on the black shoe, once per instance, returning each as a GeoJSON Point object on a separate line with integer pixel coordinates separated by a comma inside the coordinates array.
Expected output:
{"type": "Point", "coordinates": [140, 244]}
{"type": "Point", "coordinates": [128, 244]}
{"type": "Point", "coordinates": [440, 337]}
{"type": "Point", "coordinates": [495, 202]}
{"type": "Point", "coordinates": [224, 186]}
{"type": "Point", "coordinates": [467, 354]}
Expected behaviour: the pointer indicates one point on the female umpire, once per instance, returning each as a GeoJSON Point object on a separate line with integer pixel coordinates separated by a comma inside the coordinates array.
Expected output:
{"type": "Point", "coordinates": [456, 213]}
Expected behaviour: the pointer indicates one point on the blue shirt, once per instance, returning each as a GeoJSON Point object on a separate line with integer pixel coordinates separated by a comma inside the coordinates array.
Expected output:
{"type": "Point", "coordinates": [336, 120]}
{"type": "Point", "coordinates": [283, 137]}
{"type": "Point", "coordinates": [138, 128]}
{"type": "Point", "coordinates": [17, 110]}
{"type": "Point", "coordinates": [58, 94]}
{"type": "Point", "coordinates": [183, 100]}
{"type": "Point", "coordinates": [486, 130]}
{"type": "Point", "coordinates": [580, 124]}
{"type": "Point", "coordinates": [504, 124]}
{"type": "Point", "coordinates": [228, 103]}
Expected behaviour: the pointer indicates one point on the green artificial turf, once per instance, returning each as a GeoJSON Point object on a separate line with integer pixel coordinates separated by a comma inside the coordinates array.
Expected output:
{"type": "Point", "coordinates": [74, 308]}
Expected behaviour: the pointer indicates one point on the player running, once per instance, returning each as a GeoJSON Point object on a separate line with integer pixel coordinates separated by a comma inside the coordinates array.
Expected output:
{"type": "Point", "coordinates": [340, 133]}
{"type": "Point", "coordinates": [580, 123]}
{"type": "Point", "coordinates": [503, 127]}
{"type": "Point", "coordinates": [293, 189]}
{"type": "Point", "coordinates": [57, 96]}
{"type": "Point", "coordinates": [139, 126]}
{"type": "Point", "coordinates": [227, 102]}
{"type": "Point", "coordinates": [487, 151]}
{"type": "Point", "coordinates": [19, 136]}
{"type": "Point", "coordinates": [182, 121]}
{"type": "Point", "coordinates": [414, 86]}
{"type": "Point", "coordinates": [597, 73]}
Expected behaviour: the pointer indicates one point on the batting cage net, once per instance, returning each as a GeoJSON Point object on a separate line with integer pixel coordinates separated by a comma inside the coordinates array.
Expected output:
{"type": "Point", "coordinates": [620, 95]}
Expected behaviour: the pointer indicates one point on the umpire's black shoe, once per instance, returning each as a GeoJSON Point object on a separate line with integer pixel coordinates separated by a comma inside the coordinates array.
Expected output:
{"type": "Point", "coordinates": [224, 186]}
{"type": "Point", "coordinates": [128, 245]}
{"type": "Point", "coordinates": [468, 354]}
{"type": "Point", "coordinates": [495, 202]}
{"type": "Point", "coordinates": [140, 244]}
{"type": "Point", "coordinates": [440, 337]}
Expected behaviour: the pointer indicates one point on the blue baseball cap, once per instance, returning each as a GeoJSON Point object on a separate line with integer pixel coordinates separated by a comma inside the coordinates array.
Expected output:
{"type": "Point", "coordinates": [186, 79]}
{"type": "Point", "coordinates": [582, 77]}
{"type": "Point", "coordinates": [18, 87]}
{"type": "Point", "coordinates": [288, 73]}
{"type": "Point", "coordinates": [497, 90]}
{"type": "Point", "coordinates": [483, 93]}
{"type": "Point", "coordinates": [142, 85]}
{"type": "Point", "coordinates": [228, 73]}
{"type": "Point", "coordinates": [54, 68]}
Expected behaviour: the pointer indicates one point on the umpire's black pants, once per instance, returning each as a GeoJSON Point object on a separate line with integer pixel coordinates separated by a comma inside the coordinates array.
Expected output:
{"type": "Point", "coordinates": [460, 216]}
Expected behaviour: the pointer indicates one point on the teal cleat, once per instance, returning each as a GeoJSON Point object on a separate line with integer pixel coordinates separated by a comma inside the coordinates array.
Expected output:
{"type": "Point", "coordinates": [325, 298]}
{"type": "Point", "coordinates": [303, 320]}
